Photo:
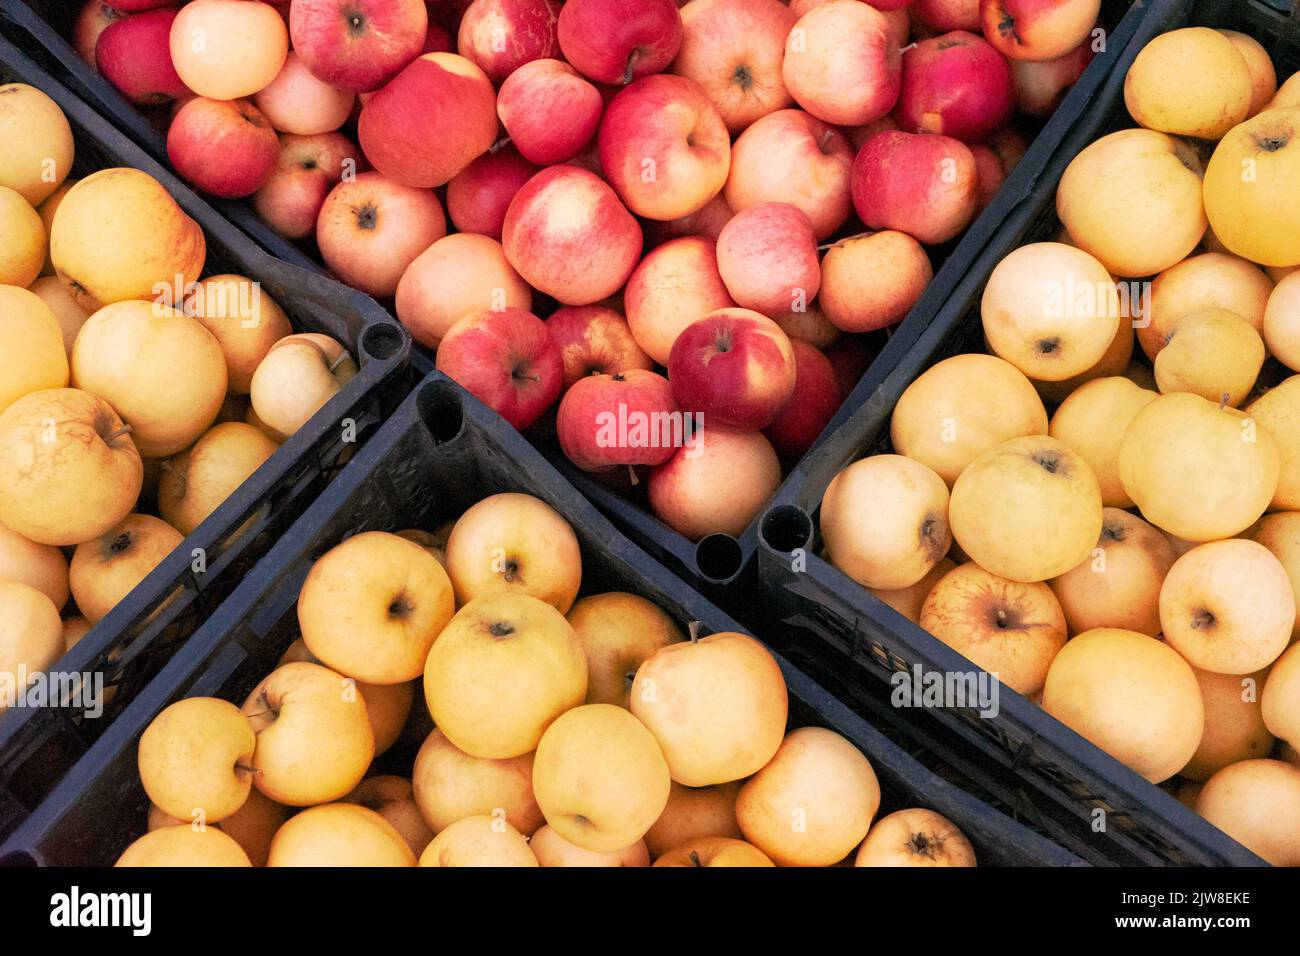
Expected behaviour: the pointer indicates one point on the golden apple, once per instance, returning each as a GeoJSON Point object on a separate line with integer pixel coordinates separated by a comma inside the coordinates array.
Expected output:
{"type": "Point", "coordinates": [195, 759]}
{"type": "Point", "coordinates": [22, 240]}
{"type": "Point", "coordinates": [1278, 411]}
{"type": "Point", "coordinates": [372, 607]}
{"type": "Point", "coordinates": [1280, 702]}
{"type": "Point", "coordinates": [1263, 76]}
{"type": "Point", "coordinates": [1189, 82]}
{"type": "Point", "coordinates": [106, 569]}
{"type": "Point", "coordinates": [909, 601]}
{"type": "Point", "coordinates": [479, 841]}
{"type": "Point", "coordinates": [29, 361]}
{"type": "Point", "coordinates": [198, 480]}
{"type": "Point", "coordinates": [245, 321]}
{"type": "Point", "coordinates": [716, 705]}
{"type": "Point", "coordinates": [1212, 353]}
{"type": "Point", "coordinates": [42, 566]}
{"type": "Point", "coordinates": [714, 851]}
{"type": "Point", "coordinates": [1282, 321]}
{"type": "Point", "coordinates": [502, 670]}
{"type": "Point", "coordinates": [46, 210]}
{"type": "Point", "coordinates": [296, 378]}
{"type": "Point", "coordinates": [38, 142]}
{"type": "Point", "coordinates": [339, 834]}
{"type": "Point", "coordinates": [1212, 280]}
{"type": "Point", "coordinates": [1114, 362]}
{"type": "Point", "coordinates": [1234, 723]}
{"type": "Point", "coordinates": [692, 813]}
{"type": "Point", "coordinates": [393, 799]}
{"type": "Point", "coordinates": [1280, 533]}
{"type": "Point", "coordinates": [70, 316]}
{"type": "Point", "coordinates": [915, 837]}
{"type": "Point", "coordinates": [552, 849]}
{"type": "Point", "coordinates": [31, 634]}
{"type": "Point", "coordinates": [514, 544]}
{"type": "Point", "coordinates": [618, 631]}
{"type": "Point", "coordinates": [451, 785]}
{"type": "Point", "coordinates": [183, 845]}
{"type": "Point", "coordinates": [74, 629]}
{"type": "Point", "coordinates": [1091, 422]}
{"type": "Point", "coordinates": [1257, 803]}
{"type": "Point", "coordinates": [884, 521]}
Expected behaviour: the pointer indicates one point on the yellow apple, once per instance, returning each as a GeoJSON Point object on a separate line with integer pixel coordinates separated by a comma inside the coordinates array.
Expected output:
{"type": "Point", "coordinates": [1212, 280]}
{"type": "Point", "coordinates": [1189, 82]}
{"type": "Point", "coordinates": [29, 361]}
{"type": "Point", "coordinates": [716, 705]}
{"type": "Point", "coordinates": [1280, 533]}
{"type": "Point", "coordinates": [38, 142]}
{"type": "Point", "coordinates": [393, 799]}
{"type": "Point", "coordinates": [1091, 422]}
{"type": "Point", "coordinates": [552, 849]}
{"type": "Point", "coordinates": [884, 521]}
{"type": "Point", "coordinates": [196, 482]}
{"type": "Point", "coordinates": [70, 316]}
{"type": "Point", "coordinates": [502, 670]}
{"type": "Point", "coordinates": [1234, 723]}
{"type": "Point", "coordinates": [1257, 803]}
{"type": "Point", "coordinates": [517, 544]}
{"type": "Point", "coordinates": [915, 837]}
{"type": "Point", "coordinates": [46, 210]}
{"type": "Point", "coordinates": [600, 777]}
{"type": "Point", "coordinates": [184, 845]}
{"type": "Point", "coordinates": [31, 634]}
{"type": "Point", "coordinates": [714, 851]}
{"type": "Point", "coordinates": [1212, 353]}
{"type": "Point", "coordinates": [1132, 696]}
{"type": "Point", "coordinates": [106, 569]}
{"type": "Point", "coordinates": [812, 803]}
{"type": "Point", "coordinates": [1278, 411]}
{"type": "Point", "coordinates": [372, 607]}
{"type": "Point", "coordinates": [618, 631]}
{"type": "Point", "coordinates": [1197, 470]}
{"type": "Point", "coordinates": [42, 566]}
{"type": "Point", "coordinates": [962, 407]}
{"type": "Point", "coordinates": [314, 741]}
{"type": "Point", "coordinates": [692, 813]}
{"type": "Point", "coordinates": [451, 785]}
{"type": "Point", "coordinates": [909, 601]}
{"type": "Point", "coordinates": [296, 378]}
{"type": "Point", "coordinates": [339, 834]}
{"type": "Point", "coordinates": [195, 757]}
{"type": "Point", "coordinates": [1282, 321]}
{"type": "Point", "coordinates": [1114, 362]}
{"type": "Point", "coordinates": [245, 321]}
{"type": "Point", "coordinates": [1280, 703]}
{"type": "Point", "coordinates": [479, 841]}
{"type": "Point", "coordinates": [1263, 76]}
{"type": "Point", "coordinates": [22, 240]}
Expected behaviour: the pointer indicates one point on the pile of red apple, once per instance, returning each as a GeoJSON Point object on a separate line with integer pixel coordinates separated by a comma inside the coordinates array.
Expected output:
{"type": "Point", "coordinates": [737, 190]}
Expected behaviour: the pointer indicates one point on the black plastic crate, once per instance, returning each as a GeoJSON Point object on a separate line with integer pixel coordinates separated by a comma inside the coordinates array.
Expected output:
{"type": "Point", "coordinates": [440, 452]}
{"type": "Point", "coordinates": [720, 565]}
{"type": "Point", "coordinates": [849, 631]}
{"type": "Point", "coordinates": [132, 643]}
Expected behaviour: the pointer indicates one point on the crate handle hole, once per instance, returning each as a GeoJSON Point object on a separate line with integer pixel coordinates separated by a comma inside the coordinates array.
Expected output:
{"type": "Point", "coordinates": [382, 341]}
{"type": "Point", "coordinates": [786, 528]}
{"type": "Point", "coordinates": [718, 557]}
{"type": "Point", "coordinates": [441, 411]}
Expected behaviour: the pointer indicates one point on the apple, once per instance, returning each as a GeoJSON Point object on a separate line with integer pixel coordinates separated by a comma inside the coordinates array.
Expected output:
{"type": "Point", "coordinates": [393, 799]}
{"type": "Point", "coordinates": [23, 238]}
{"type": "Point", "coordinates": [228, 49]}
{"type": "Point", "coordinates": [1263, 76]}
{"type": "Point", "coordinates": [372, 607]}
{"type": "Point", "coordinates": [33, 633]}
{"type": "Point", "coordinates": [1091, 420]}
{"type": "Point", "coordinates": [816, 398]}
{"type": "Point", "coordinates": [1051, 310]}
{"type": "Point", "coordinates": [184, 845]}
{"type": "Point", "coordinates": [479, 841]}
{"type": "Point", "coordinates": [569, 236]}
{"type": "Point", "coordinates": [714, 851]}
{"type": "Point", "coordinates": [1234, 723]}
{"type": "Point", "coordinates": [370, 228]}
{"type": "Point", "coordinates": [706, 223]}
{"type": "Point", "coordinates": [91, 21]}
{"type": "Point", "coordinates": [955, 84]}
{"type": "Point", "coordinates": [842, 63]}
{"type": "Point", "coordinates": [873, 280]}
{"type": "Point", "coordinates": [314, 740]}
{"type": "Point", "coordinates": [297, 102]}
{"type": "Point", "coordinates": [915, 837]}
{"type": "Point", "coordinates": [500, 36]}
{"type": "Point", "coordinates": [478, 196]}
{"type": "Point", "coordinates": [246, 322]}
{"type": "Point", "coordinates": [1211, 280]}
{"type": "Point", "coordinates": [505, 640]}
{"type": "Point", "coordinates": [884, 521]}
{"type": "Point", "coordinates": [716, 484]}
{"type": "Point", "coordinates": [134, 54]}
{"type": "Point", "coordinates": [600, 777]}
{"type": "Point", "coordinates": [909, 601]}
{"type": "Point", "coordinates": [506, 360]}
{"type": "Point", "coordinates": [39, 147]}
{"type": "Point", "coordinates": [1212, 95]}
{"type": "Point", "coordinates": [41, 566]}
{"type": "Point", "coordinates": [1213, 353]}
{"type": "Point", "coordinates": [430, 121]}
{"type": "Point", "coordinates": [228, 149]}
{"type": "Point", "coordinates": [357, 44]}
{"type": "Point", "coordinates": [594, 340]}
{"type": "Point", "coordinates": [733, 49]}
{"type": "Point", "coordinates": [459, 275]}
{"type": "Point", "coordinates": [1257, 803]}
{"type": "Point", "coordinates": [194, 759]}
{"type": "Point", "coordinates": [767, 257]}
{"type": "Point", "coordinates": [104, 570]}
{"type": "Point", "coordinates": [618, 632]}
{"type": "Point", "coordinates": [451, 785]}
{"type": "Point", "coordinates": [1277, 705]}
{"type": "Point", "coordinates": [339, 834]}
{"type": "Point", "coordinates": [198, 480]}
{"type": "Point", "coordinates": [1280, 533]}
{"type": "Point", "coordinates": [1040, 85]}
{"type": "Point", "coordinates": [944, 15]}
{"type": "Point", "coordinates": [672, 287]}
{"type": "Point", "coordinates": [716, 705]}
{"type": "Point", "coordinates": [666, 125]}
{"type": "Point", "coordinates": [1255, 219]}
{"type": "Point", "coordinates": [1037, 29]}
{"type": "Point", "coordinates": [252, 826]}
{"type": "Point", "coordinates": [33, 357]}
{"type": "Point", "coordinates": [820, 779]}
{"type": "Point", "coordinates": [552, 849]}
{"type": "Point", "coordinates": [549, 111]}
{"type": "Point", "coordinates": [296, 379]}
{"type": "Point", "coordinates": [693, 813]}
{"type": "Point", "coordinates": [587, 422]}
{"type": "Point", "coordinates": [1278, 412]}
{"type": "Point", "coordinates": [792, 157]}
{"type": "Point", "coordinates": [617, 41]}
{"type": "Point", "coordinates": [160, 369]}
{"type": "Point", "coordinates": [811, 326]}
{"type": "Point", "coordinates": [307, 168]}
{"type": "Point", "coordinates": [925, 185]}
{"type": "Point", "coordinates": [1133, 200]}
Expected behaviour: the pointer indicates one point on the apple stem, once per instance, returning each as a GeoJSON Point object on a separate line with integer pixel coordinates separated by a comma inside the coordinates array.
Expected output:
{"type": "Point", "coordinates": [1223, 400]}
{"type": "Point", "coordinates": [499, 145]}
{"type": "Point", "coordinates": [694, 630]}
{"type": "Point", "coordinates": [839, 242]}
{"type": "Point", "coordinates": [631, 474]}
{"type": "Point", "coordinates": [124, 430]}
{"type": "Point", "coordinates": [631, 62]}
{"type": "Point", "coordinates": [910, 46]}
{"type": "Point", "coordinates": [245, 768]}
{"type": "Point", "coordinates": [343, 356]}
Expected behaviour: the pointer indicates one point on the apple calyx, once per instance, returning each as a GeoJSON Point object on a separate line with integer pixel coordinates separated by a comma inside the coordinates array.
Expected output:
{"type": "Point", "coordinates": [695, 858]}
{"type": "Point", "coordinates": [743, 77]}
{"type": "Point", "coordinates": [119, 545]}
{"type": "Point", "coordinates": [1203, 619]}
{"type": "Point", "coordinates": [500, 629]}
{"type": "Point", "coordinates": [921, 845]}
{"type": "Point", "coordinates": [1048, 462]}
{"type": "Point", "coordinates": [367, 216]}
{"type": "Point", "coordinates": [401, 605]}
{"type": "Point", "coordinates": [1271, 144]}
{"type": "Point", "coordinates": [356, 22]}
{"type": "Point", "coordinates": [1007, 26]}
{"type": "Point", "coordinates": [1048, 346]}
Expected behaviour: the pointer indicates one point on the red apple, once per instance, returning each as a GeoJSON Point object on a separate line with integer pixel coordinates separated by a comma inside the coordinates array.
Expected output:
{"type": "Point", "coordinates": [989, 173]}
{"type": "Point", "coordinates": [223, 147]}
{"type": "Point", "coordinates": [706, 222]}
{"type": "Point", "coordinates": [549, 110]}
{"type": "Point", "coordinates": [672, 287]}
{"type": "Point", "coordinates": [715, 484]}
{"type": "Point", "coordinates": [922, 184]}
{"type": "Point", "coordinates": [358, 45]}
{"type": "Point", "coordinates": [307, 169]}
{"type": "Point", "coordinates": [478, 196]}
{"type": "Point", "coordinates": [297, 102]}
{"type": "Point", "coordinates": [436, 117]}
{"type": "Point", "coordinates": [134, 54]}
{"type": "Point", "coordinates": [944, 15]}
{"type": "Point", "coordinates": [92, 20]}
{"type": "Point", "coordinates": [1040, 85]}
{"type": "Point", "coordinates": [816, 399]}
{"type": "Point", "coordinates": [506, 360]}
{"type": "Point", "coordinates": [370, 228]}
{"type": "Point", "coordinates": [1037, 29]}
{"type": "Point", "coordinates": [767, 257]}
{"type": "Point", "coordinates": [502, 35]}
{"type": "Point", "coordinates": [623, 419]}
{"type": "Point", "coordinates": [955, 84]}
{"type": "Point", "coordinates": [568, 235]}
{"type": "Point", "coordinates": [842, 63]}
{"type": "Point", "coordinates": [792, 157]}
{"type": "Point", "coordinates": [733, 50]}
{"type": "Point", "coordinates": [664, 148]}
{"type": "Point", "coordinates": [616, 41]}
{"type": "Point", "coordinates": [594, 339]}
{"type": "Point", "coordinates": [735, 366]}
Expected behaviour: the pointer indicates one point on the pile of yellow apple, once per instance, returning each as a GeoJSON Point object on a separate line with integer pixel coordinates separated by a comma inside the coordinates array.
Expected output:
{"type": "Point", "coordinates": [567, 731]}
{"type": "Point", "coordinates": [1132, 562]}
{"type": "Point", "coordinates": [124, 382]}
